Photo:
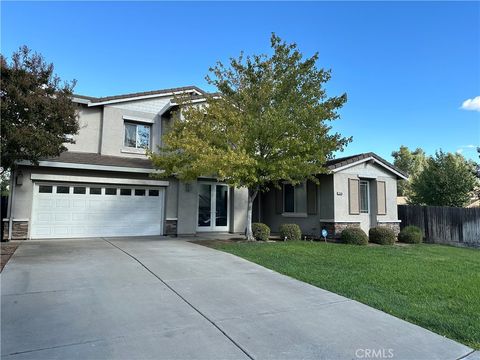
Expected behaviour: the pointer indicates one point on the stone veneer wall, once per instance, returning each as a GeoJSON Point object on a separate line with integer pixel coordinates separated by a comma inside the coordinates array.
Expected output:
{"type": "Point", "coordinates": [395, 226]}
{"type": "Point", "coordinates": [19, 230]}
{"type": "Point", "coordinates": [171, 227]}
{"type": "Point", "coordinates": [335, 228]}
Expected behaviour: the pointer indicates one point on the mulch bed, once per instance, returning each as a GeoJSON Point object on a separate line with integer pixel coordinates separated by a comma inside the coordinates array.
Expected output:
{"type": "Point", "coordinates": [8, 248]}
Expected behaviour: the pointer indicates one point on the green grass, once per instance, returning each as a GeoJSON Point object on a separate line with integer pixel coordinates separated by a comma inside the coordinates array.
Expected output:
{"type": "Point", "coordinates": [434, 286]}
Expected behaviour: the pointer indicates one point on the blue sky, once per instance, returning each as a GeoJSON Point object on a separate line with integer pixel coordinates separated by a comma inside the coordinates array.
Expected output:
{"type": "Point", "coordinates": [407, 67]}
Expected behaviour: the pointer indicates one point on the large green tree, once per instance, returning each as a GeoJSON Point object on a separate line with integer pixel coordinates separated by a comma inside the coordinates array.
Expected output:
{"type": "Point", "coordinates": [447, 180]}
{"type": "Point", "coordinates": [411, 162]}
{"type": "Point", "coordinates": [268, 123]}
{"type": "Point", "coordinates": [37, 111]}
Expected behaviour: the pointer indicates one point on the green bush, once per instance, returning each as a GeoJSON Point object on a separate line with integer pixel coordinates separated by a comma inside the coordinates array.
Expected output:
{"type": "Point", "coordinates": [261, 232]}
{"type": "Point", "coordinates": [382, 235]}
{"type": "Point", "coordinates": [355, 236]}
{"type": "Point", "coordinates": [411, 235]}
{"type": "Point", "coordinates": [291, 232]}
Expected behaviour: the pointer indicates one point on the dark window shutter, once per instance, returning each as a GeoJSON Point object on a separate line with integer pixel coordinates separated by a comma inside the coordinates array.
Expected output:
{"type": "Point", "coordinates": [311, 198]}
{"type": "Point", "coordinates": [279, 200]}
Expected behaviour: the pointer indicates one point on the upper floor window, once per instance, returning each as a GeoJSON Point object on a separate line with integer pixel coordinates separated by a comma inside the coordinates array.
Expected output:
{"type": "Point", "coordinates": [294, 198]}
{"type": "Point", "coordinates": [137, 135]}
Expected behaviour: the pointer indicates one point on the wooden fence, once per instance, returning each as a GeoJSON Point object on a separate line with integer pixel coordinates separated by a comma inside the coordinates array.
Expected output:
{"type": "Point", "coordinates": [443, 224]}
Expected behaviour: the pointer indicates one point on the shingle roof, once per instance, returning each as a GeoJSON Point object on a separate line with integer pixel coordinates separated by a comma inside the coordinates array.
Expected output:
{"type": "Point", "coordinates": [105, 160]}
{"type": "Point", "coordinates": [139, 94]}
{"type": "Point", "coordinates": [340, 162]}
{"type": "Point", "coordinates": [108, 160]}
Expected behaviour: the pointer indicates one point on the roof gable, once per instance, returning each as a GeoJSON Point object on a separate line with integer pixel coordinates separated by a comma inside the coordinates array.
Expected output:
{"type": "Point", "coordinates": [339, 164]}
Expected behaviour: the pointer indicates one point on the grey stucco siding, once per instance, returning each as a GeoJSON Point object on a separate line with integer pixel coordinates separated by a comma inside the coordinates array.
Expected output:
{"type": "Point", "coordinates": [114, 132]}
{"type": "Point", "coordinates": [90, 130]}
{"type": "Point", "coordinates": [371, 173]}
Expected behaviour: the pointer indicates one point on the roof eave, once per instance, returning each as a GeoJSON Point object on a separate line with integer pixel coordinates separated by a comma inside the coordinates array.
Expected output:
{"type": "Point", "coordinates": [143, 97]}
{"type": "Point", "coordinates": [366, 159]}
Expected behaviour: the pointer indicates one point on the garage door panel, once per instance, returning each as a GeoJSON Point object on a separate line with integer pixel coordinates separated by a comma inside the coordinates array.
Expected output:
{"type": "Point", "coordinates": [79, 204]}
{"type": "Point", "coordinates": [46, 203]}
{"type": "Point", "coordinates": [65, 217]}
{"type": "Point", "coordinates": [57, 215]}
{"type": "Point", "coordinates": [62, 203]}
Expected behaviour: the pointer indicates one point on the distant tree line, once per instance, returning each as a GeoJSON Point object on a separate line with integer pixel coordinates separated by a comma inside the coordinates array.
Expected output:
{"type": "Point", "coordinates": [444, 179]}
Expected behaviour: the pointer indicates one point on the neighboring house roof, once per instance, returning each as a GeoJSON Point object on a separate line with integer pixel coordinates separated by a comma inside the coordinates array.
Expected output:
{"type": "Point", "coordinates": [93, 101]}
{"type": "Point", "coordinates": [341, 163]}
{"type": "Point", "coordinates": [401, 200]}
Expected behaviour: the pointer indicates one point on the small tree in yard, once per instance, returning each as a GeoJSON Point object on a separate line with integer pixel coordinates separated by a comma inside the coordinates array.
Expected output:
{"type": "Point", "coordinates": [267, 124]}
{"type": "Point", "coordinates": [36, 109]}
{"type": "Point", "coordinates": [447, 180]}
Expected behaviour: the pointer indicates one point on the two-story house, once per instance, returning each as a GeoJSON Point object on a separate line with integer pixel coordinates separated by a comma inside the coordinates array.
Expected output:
{"type": "Point", "coordinates": [102, 186]}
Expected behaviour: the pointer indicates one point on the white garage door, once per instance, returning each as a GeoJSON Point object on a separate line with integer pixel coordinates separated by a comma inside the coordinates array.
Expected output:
{"type": "Point", "coordinates": [69, 211]}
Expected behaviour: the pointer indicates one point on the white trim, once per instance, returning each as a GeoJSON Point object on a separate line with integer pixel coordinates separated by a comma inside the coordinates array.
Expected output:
{"type": "Point", "coordinates": [369, 159]}
{"type": "Point", "coordinates": [132, 150]}
{"type": "Point", "coordinates": [213, 204]}
{"type": "Point", "coordinates": [387, 221]}
{"type": "Point", "coordinates": [341, 221]}
{"type": "Point", "coordinates": [7, 219]}
{"type": "Point", "coordinates": [360, 196]}
{"type": "Point", "coordinates": [80, 100]}
{"type": "Point", "coordinates": [56, 164]}
{"type": "Point", "coordinates": [295, 215]}
{"type": "Point", "coordinates": [142, 97]}
{"type": "Point", "coordinates": [170, 218]}
{"type": "Point", "coordinates": [137, 124]}
{"type": "Point", "coordinates": [139, 119]}
{"type": "Point", "coordinates": [96, 180]}
{"type": "Point", "coordinates": [194, 101]}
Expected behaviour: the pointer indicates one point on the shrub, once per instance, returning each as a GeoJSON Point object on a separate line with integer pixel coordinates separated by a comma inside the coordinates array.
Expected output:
{"type": "Point", "coordinates": [355, 236]}
{"type": "Point", "coordinates": [291, 232]}
{"type": "Point", "coordinates": [411, 235]}
{"type": "Point", "coordinates": [382, 235]}
{"type": "Point", "coordinates": [261, 232]}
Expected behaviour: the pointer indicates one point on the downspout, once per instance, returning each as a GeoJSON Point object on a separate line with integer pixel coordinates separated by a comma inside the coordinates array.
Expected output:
{"type": "Point", "coordinates": [10, 204]}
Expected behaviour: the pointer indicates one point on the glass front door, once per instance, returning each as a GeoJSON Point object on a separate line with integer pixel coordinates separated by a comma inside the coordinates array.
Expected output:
{"type": "Point", "coordinates": [212, 207]}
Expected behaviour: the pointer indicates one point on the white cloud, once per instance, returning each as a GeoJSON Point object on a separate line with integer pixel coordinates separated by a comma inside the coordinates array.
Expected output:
{"type": "Point", "coordinates": [472, 104]}
{"type": "Point", "coordinates": [462, 148]}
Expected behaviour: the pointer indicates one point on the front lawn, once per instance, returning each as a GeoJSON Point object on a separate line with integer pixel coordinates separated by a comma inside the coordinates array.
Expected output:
{"type": "Point", "coordinates": [436, 287]}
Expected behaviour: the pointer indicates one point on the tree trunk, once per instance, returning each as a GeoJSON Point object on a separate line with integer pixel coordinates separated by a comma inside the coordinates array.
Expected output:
{"type": "Point", "coordinates": [252, 194]}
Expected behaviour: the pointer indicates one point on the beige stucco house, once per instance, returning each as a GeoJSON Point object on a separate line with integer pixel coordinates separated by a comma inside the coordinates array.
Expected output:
{"type": "Point", "coordinates": [102, 186]}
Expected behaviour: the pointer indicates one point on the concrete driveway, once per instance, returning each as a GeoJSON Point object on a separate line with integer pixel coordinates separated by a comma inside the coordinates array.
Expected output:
{"type": "Point", "coordinates": [152, 298]}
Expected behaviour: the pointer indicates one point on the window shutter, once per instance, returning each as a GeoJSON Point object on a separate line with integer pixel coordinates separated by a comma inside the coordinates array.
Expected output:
{"type": "Point", "coordinates": [354, 196]}
{"type": "Point", "coordinates": [279, 200]}
{"type": "Point", "coordinates": [381, 198]}
{"type": "Point", "coordinates": [311, 198]}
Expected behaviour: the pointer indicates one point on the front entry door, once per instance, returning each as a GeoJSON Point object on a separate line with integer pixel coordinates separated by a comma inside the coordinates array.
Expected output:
{"type": "Point", "coordinates": [212, 207]}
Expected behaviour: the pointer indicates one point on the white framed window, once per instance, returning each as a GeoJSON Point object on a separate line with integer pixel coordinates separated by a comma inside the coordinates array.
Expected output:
{"type": "Point", "coordinates": [364, 196]}
{"type": "Point", "coordinates": [294, 198]}
{"type": "Point", "coordinates": [137, 135]}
